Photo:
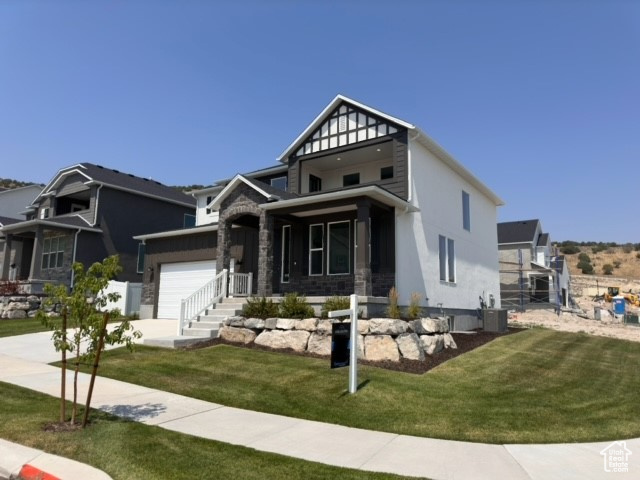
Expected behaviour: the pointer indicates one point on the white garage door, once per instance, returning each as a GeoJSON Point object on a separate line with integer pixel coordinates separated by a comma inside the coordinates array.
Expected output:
{"type": "Point", "coordinates": [178, 281]}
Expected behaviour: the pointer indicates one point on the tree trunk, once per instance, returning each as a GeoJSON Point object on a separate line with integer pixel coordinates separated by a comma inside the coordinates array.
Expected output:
{"type": "Point", "coordinates": [63, 380]}
{"type": "Point", "coordinates": [75, 386]}
{"type": "Point", "coordinates": [96, 363]}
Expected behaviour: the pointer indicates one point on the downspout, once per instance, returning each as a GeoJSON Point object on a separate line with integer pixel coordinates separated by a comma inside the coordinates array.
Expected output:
{"type": "Point", "coordinates": [95, 209]}
{"type": "Point", "coordinates": [73, 259]}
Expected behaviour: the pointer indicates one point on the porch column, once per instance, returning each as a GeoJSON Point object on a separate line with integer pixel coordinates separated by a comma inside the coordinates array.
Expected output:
{"type": "Point", "coordinates": [6, 259]}
{"type": "Point", "coordinates": [223, 259]}
{"type": "Point", "coordinates": [36, 254]}
{"type": "Point", "coordinates": [265, 256]}
{"type": "Point", "coordinates": [362, 280]}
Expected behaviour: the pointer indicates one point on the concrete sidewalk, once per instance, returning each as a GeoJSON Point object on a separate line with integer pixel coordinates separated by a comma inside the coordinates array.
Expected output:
{"type": "Point", "coordinates": [314, 441]}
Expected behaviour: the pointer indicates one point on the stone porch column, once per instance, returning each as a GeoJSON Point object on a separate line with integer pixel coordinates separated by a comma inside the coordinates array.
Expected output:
{"type": "Point", "coordinates": [223, 259]}
{"type": "Point", "coordinates": [362, 277]}
{"type": "Point", "coordinates": [36, 254]}
{"type": "Point", "coordinates": [265, 255]}
{"type": "Point", "coordinates": [6, 259]}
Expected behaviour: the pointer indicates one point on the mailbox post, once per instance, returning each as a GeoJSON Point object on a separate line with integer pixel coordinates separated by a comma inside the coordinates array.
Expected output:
{"type": "Point", "coordinates": [353, 350]}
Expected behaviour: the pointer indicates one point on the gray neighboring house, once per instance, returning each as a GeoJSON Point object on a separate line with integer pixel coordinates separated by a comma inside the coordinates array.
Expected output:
{"type": "Point", "coordinates": [84, 214]}
{"type": "Point", "coordinates": [531, 272]}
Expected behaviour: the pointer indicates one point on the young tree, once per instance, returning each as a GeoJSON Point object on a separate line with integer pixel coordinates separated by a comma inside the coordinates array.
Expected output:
{"type": "Point", "coordinates": [84, 310]}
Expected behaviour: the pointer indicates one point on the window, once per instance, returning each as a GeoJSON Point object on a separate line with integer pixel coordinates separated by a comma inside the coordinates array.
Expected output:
{"type": "Point", "coordinates": [315, 183]}
{"type": "Point", "coordinates": [44, 213]}
{"type": "Point", "coordinates": [280, 183]}
{"type": "Point", "coordinates": [142, 248]}
{"type": "Point", "coordinates": [286, 253]}
{"type": "Point", "coordinates": [53, 252]}
{"type": "Point", "coordinates": [447, 255]}
{"type": "Point", "coordinates": [189, 221]}
{"type": "Point", "coordinates": [339, 243]}
{"type": "Point", "coordinates": [351, 179]}
{"type": "Point", "coordinates": [386, 172]}
{"type": "Point", "coordinates": [316, 249]}
{"type": "Point", "coordinates": [466, 212]}
{"type": "Point", "coordinates": [209, 200]}
{"type": "Point", "coordinates": [355, 244]}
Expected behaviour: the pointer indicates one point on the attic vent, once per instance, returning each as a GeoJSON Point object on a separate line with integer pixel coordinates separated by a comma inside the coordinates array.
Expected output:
{"type": "Point", "coordinates": [342, 123]}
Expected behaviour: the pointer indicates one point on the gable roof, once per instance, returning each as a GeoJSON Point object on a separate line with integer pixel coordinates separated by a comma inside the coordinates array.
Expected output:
{"type": "Point", "coordinates": [97, 174]}
{"type": "Point", "coordinates": [521, 231]}
{"type": "Point", "coordinates": [8, 221]}
{"type": "Point", "coordinates": [417, 135]}
{"type": "Point", "coordinates": [270, 193]}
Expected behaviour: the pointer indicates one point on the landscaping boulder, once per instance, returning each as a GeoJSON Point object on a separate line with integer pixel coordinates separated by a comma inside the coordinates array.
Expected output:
{"type": "Point", "coordinates": [18, 306]}
{"type": "Point", "coordinates": [286, 323]}
{"type": "Point", "coordinates": [426, 326]}
{"type": "Point", "coordinates": [254, 323]}
{"type": "Point", "coordinates": [281, 339]}
{"type": "Point", "coordinates": [308, 324]}
{"type": "Point", "coordinates": [237, 335]}
{"type": "Point", "coordinates": [361, 355]}
{"type": "Point", "coordinates": [324, 327]}
{"type": "Point", "coordinates": [410, 346]}
{"type": "Point", "coordinates": [387, 326]}
{"type": "Point", "coordinates": [378, 348]}
{"type": "Point", "coordinates": [363, 327]}
{"type": "Point", "coordinates": [449, 342]}
{"type": "Point", "coordinates": [432, 343]}
{"type": "Point", "coordinates": [235, 321]}
{"type": "Point", "coordinates": [12, 314]}
{"type": "Point", "coordinates": [270, 323]}
{"type": "Point", "coordinates": [319, 344]}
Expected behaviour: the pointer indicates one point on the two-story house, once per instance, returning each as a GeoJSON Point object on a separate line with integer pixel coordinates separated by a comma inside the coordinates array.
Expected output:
{"type": "Point", "coordinates": [531, 272]}
{"type": "Point", "coordinates": [361, 202]}
{"type": "Point", "coordinates": [84, 214]}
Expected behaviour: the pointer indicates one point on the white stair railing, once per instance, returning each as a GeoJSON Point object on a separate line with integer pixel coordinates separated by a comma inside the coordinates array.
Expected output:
{"type": "Point", "coordinates": [196, 303]}
{"type": "Point", "coordinates": [240, 284]}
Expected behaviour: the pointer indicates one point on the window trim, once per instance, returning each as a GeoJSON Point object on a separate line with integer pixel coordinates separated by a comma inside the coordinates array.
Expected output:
{"type": "Point", "coordinates": [48, 253]}
{"type": "Point", "coordinates": [321, 249]}
{"type": "Point", "coordinates": [348, 272]}
{"type": "Point", "coordinates": [447, 260]}
{"type": "Point", "coordinates": [466, 211]}
{"type": "Point", "coordinates": [207, 210]}
{"type": "Point", "coordinates": [282, 263]}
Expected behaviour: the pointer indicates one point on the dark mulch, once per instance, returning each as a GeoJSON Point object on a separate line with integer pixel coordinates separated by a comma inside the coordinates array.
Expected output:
{"type": "Point", "coordinates": [465, 342]}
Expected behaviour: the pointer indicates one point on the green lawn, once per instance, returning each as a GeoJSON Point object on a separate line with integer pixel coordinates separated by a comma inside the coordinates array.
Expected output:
{"type": "Point", "coordinates": [20, 326]}
{"type": "Point", "coordinates": [537, 386]}
{"type": "Point", "coordinates": [133, 451]}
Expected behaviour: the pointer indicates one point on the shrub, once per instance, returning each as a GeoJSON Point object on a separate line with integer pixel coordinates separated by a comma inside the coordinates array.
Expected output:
{"type": "Point", "coordinates": [260, 308]}
{"type": "Point", "coordinates": [607, 269]}
{"type": "Point", "coordinates": [617, 263]}
{"type": "Point", "coordinates": [393, 310]}
{"type": "Point", "coordinates": [586, 267]}
{"type": "Point", "coordinates": [334, 303]}
{"type": "Point", "coordinates": [638, 256]}
{"type": "Point", "coordinates": [583, 257]}
{"type": "Point", "coordinates": [637, 247]}
{"type": "Point", "coordinates": [293, 306]}
{"type": "Point", "coordinates": [414, 308]}
{"type": "Point", "coordinates": [570, 249]}
{"type": "Point", "coordinates": [598, 248]}
{"type": "Point", "coordinates": [628, 248]}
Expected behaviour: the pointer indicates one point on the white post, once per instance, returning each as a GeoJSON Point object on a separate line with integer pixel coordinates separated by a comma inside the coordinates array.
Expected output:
{"type": "Point", "coordinates": [181, 319]}
{"type": "Point", "coordinates": [250, 286]}
{"type": "Point", "coordinates": [353, 360]}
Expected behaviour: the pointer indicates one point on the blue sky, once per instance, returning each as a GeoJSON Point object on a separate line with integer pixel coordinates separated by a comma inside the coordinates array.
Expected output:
{"type": "Point", "coordinates": [540, 99]}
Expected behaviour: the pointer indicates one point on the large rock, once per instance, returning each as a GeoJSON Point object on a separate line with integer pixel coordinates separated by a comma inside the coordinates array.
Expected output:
{"type": "Point", "coordinates": [18, 306]}
{"type": "Point", "coordinates": [361, 355]}
{"type": "Point", "coordinates": [324, 327]}
{"type": "Point", "coordinates": [237, 335]}
{"type": "Point", "coordinates": [378, 348]}
{"type": "Point", "coordinates": [432, 343]}
{"type": "Point", "coordinates": [426, 326]}
{"type": "Point", "coordinates": [449, 342]}
{"type": "Point", "coordinates": [308, 324]}
{"type": "Point", "coordinates": [363, 327]}
{"type": "Point", "coordinates": [235, 321]}
{"type": "Point", "coordinates": [410, 346]}
{"type": "Point", "coordinates": [387, 326]}
{"type": "Point", "coordinates": [15, 314]}
{"type": "Point", "coordinates": [319, 344]}
{"type": "Point", "coordinates": [281, 339]}
{"type": "Point", "coordinates": [270, 323]}
{"type": "Point", "coordinates": [254, 323]}
{"type": "Point", "coordinates": [286, 323]}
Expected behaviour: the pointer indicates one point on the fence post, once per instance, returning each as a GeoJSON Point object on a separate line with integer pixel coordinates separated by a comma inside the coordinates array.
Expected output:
{"type": "Point", "coordinates": [182, 315]}
{"type": "Point", "coordinates": [250, 286]}
{"type": "Point", "coordinates": [353, 361]}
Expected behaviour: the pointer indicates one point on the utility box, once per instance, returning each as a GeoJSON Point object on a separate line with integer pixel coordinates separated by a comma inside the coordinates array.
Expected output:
{"type": "Point", "coordinates": [495, 320]}
{"type": "Point", "coordinates": [597, 313]}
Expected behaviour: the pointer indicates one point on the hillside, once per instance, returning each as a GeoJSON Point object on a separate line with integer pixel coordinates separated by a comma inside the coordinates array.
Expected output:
{"type": "Point", "coordinates": [624, 259]}
{"type": "Point", "coordinates": [8, 183]}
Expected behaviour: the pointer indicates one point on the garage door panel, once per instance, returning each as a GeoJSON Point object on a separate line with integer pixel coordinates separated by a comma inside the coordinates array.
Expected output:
{"type": "Point", "coordinates": [178, 281]}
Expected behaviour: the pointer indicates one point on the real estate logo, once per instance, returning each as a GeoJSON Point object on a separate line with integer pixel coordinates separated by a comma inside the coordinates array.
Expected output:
{"type": "Point", "coordinates": [616, 458]}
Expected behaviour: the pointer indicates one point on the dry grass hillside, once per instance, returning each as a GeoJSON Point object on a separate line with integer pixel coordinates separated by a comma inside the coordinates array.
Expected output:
{"type": "Point", "coordinates": [625, 260]}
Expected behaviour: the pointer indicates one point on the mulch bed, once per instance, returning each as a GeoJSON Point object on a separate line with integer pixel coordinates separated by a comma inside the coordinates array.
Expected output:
{"type": "Point", "coordinates": [465, 342]}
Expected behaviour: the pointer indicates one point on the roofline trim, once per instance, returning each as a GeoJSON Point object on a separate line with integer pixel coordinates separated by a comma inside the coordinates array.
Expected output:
{"type": "Point", "coordinates": [211, 227]}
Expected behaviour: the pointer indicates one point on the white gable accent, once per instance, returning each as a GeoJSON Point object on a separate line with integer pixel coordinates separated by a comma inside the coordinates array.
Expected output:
{"type": "Point", "coordinates": [215, 204]}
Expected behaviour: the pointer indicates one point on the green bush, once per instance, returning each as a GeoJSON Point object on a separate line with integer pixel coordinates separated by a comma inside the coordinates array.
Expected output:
{"type": "Point", "coordinates": [598, 248]}
{"type": "Point", "coordinates": [586, 267]}
{"type": "Point", "coordinates": [617, 263]}
{"type": "Point", "coordinates": [293, 306]}
{"type": "Point", "coordinates": [628, 248]}
{"type": "Point", "coordinates": [607, 269]}
{"type": "Point", "coordinates": [583, 257]}
{"type": "Point", "coordinates": [570, 249]}
{"type": "Point", "coordinates": [260, 308]}
{"type": "Point", "coordinates": [334, 303]}
{"type": "Point", "coordinates": [393, 310]}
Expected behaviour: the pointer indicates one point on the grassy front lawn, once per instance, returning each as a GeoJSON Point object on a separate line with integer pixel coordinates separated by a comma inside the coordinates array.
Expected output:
{"type": "Point", "coordinates": [20, 326]}
{"type": "Point", "coordinates": [537, 386]}
{"type": "Point", "coordinates": [133, 451]}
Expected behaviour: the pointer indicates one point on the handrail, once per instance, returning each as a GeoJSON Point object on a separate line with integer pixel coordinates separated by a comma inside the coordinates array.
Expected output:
{"type": "Point", "coordinates": [203, 298]}
{"type": "Point", "coordinates": [240, 284]}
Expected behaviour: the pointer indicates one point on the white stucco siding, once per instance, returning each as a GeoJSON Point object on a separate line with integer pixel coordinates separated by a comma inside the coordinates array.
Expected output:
{"type": "Point", "coordinates": [202, 217]}
{"type": "Point", "coordinates": [332, 179]}
{"type": "Point", "coordinates": [437, 191]}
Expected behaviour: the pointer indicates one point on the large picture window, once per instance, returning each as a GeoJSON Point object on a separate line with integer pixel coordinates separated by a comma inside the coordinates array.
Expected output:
{"type": "Point", "coordinates": [286, 253]}
{"type": "Point", "coordinates": [53, 252]}
{"type": "Point", "coordinates": [339, 243]}
{"type": "Point", "coordinates": [447, 255]}
{"type": "Point", "coordinates": [316, 249]}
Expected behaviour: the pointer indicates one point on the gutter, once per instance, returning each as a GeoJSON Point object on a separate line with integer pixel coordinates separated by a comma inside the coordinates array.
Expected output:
{"type": "Point", "coordinates": [73, 259]}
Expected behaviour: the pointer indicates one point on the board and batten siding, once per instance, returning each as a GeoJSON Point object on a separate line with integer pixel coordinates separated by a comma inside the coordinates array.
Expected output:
{"type": "Point", "coordinates": [437, 191]}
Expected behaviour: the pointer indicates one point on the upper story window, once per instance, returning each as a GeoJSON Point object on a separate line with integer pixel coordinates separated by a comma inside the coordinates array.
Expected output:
{"type": "Point", "coordinates": [189, 220]}
{"type": "Point", "coordinates": [44, 213]}
{"type": "Point", "coordinates": [53, 252]}
{"type": "Point", "coordinates": [351, 179]}
{"type": "Point", "coordinates": [280, 183]}
{"type": "Point", "coordinates": [209, 200]}
{"type": "Point", "coordinates": [466, 212]}
{"type": "Point", "coordinates": [386, 172]}
{"type": "Point", "coordinates": [447, 254]}
{"type": "Point", "coordinates": [315, 183]}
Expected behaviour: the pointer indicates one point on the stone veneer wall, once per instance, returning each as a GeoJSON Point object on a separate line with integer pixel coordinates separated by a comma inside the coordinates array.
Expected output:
{"type": "Point", "coordinates": [19, 306]}
{"type": "Point", "coordinates": [380, 339]}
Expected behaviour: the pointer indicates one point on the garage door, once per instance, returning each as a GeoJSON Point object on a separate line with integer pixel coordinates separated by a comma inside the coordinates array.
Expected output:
{"type": "Point", "coordinates": [178, 281]}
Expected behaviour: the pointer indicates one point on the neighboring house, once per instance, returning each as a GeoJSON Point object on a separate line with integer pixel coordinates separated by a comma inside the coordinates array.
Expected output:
{"type": "Point", "coordinates": [86, 213]}
{"type": "Point", "coordinates": [530, 272]}
{"type": "Point", "coordinates": [361, 202]}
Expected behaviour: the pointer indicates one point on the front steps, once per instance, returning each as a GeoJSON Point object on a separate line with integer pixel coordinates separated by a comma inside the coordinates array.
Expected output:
{"type": "Point", "coordinates": [205, 327]}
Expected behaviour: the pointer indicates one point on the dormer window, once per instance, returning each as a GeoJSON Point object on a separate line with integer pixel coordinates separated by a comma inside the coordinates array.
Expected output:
{"type": "Point", "coordinates": [209, 200]}
{"type": "Point", "coordinates": [44, 213]}
{"type": "Point", "coordinates": [280, 183]}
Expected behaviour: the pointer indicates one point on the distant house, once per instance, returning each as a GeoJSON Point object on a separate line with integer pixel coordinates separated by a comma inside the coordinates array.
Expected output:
{"type": "Point", "coordinates": [14, 202]}
{"type": "Point", "coordinates": [531, 273]}
{"type": "Point", "coordinates": [361, 202]}
{"type": "Point", "coordinates": [86, 213]}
